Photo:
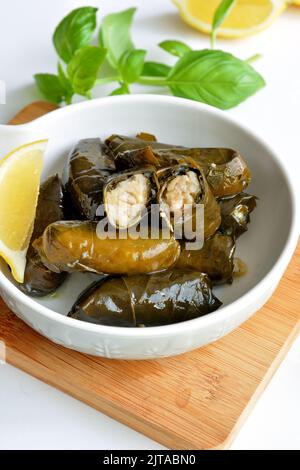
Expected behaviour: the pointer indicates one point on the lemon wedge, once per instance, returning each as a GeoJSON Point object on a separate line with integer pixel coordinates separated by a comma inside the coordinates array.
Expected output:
{"type": "Point", "coordinates": [246, 17]}
{"type": "Point", "coordinates": [20, 173]}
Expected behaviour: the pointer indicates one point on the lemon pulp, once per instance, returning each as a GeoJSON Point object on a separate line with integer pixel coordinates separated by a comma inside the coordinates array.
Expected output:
{"type": "Point", "coordinates": [20, 173]}
{"type": "Point", "coordinates": [246, 16]}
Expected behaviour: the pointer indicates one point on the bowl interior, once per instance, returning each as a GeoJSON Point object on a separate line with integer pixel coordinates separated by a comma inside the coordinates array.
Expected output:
{"type": "Point", "coordinates": [183, 123]}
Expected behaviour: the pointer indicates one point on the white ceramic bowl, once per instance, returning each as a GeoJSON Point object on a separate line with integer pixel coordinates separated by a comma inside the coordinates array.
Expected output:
{"type": "Point", "coordinates": [266, 248]}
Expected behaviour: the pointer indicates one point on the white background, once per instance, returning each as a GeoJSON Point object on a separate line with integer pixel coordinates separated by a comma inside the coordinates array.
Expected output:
{"type": "Point", "coordinates": [34, 415]}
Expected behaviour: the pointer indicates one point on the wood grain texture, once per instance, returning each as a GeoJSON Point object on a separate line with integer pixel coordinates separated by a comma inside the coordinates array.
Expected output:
{"type": "Point", "coordinates": [198, 400]}
{"type": "Point", "coordinates": [33, 111]}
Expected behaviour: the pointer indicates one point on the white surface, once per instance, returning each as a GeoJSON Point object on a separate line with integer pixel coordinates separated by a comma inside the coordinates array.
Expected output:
{"type": "Point", "coordinates": [28, 412]}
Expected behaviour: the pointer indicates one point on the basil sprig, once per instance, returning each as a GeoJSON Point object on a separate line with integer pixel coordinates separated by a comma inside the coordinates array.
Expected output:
{"type": "Point", "coordinates": [211, 76]}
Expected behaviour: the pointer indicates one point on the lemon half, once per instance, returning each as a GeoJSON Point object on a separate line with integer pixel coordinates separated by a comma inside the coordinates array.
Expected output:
{"type": "Point", "coordinates": [246, 17]}
{"type": "Point", "coordinates": [20, 173]}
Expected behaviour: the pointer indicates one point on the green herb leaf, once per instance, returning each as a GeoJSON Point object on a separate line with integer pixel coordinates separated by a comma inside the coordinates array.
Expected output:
{"type": "Point", "coordinates": [62, 76]}
{"type": "Point", "coordinates": [83, 68]}
{"type": "Point", "coordinates": [177, 48]}
{"type": "Point", "coordinates": [50, 87]}
{"type": "Point", "coordinates": [74, 31]}
{"type": "Point", "coordinates": [214, 77]}
{"type": "Point", "coordinates": [115, 35]}
{"type": "Point", "coordinates": [155, 69]}
{"type": "Point", "coordinates": [220, 16]}
{"type": "Point", "coordinates": [122, 90]}
{"type": "Point", "coordinates": [131, 65]}
{"type": "Point", "coordinates": [66, 83]}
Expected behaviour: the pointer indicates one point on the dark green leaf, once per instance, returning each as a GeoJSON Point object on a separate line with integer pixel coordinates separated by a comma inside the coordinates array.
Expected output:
{"type": "Point", "coordinates": [83, 68]}
{"type": "Point", "coordinates": [131, 65]}
{"type": "Point", "coordinates": [122, 90]}
{"type": "Point", "coordinates": [50, 87]}
{"type": "Point", "coordinates": [115, 35]}
{"type": "Point", "coordinates": [176, 48]}
{"type": "Point", "coordinates": [220, 16]}
{"type": "Point", "coordinates": [214, 77]}
{"type": "Point", "coordinates": [74, 32]}
{"type": "Point", "coordinates": [155, 69]}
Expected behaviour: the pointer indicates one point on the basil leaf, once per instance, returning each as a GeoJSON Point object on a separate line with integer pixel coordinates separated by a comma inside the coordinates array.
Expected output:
{"type": "Point", "coordinates": [50, 87]}
{"type": "Point", "coordinates": [83, 68]}
{"type": "Point", "coordinates": [115, 35]}
{"type": "Point", "coordinates": [176, 48]}
{"type": "Point", "coordinates": [122, 90]}
{"type": "Point", "coordinates": [74, 32]}
{"type": "Point", "coordinates": [131, 65]}
{"type": "Point", "coordinates": [220, 16]}
{"type": "Point", "coordinates": [62, 76]}
{"type": "Point", "coordinates": [214, 77]}
{"type": "Point", "coordinates": [66, 83]}
{"type": "Point", "coordinates": [155, 69]}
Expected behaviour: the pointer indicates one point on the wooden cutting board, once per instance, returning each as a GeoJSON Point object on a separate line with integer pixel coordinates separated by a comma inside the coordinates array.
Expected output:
{"type": "Point", "coordinates": [198, 400]}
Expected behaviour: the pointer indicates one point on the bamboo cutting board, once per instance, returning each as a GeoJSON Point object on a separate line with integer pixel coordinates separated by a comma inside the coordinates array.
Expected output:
{"type": "Point", "coordinates": [195, 401]}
